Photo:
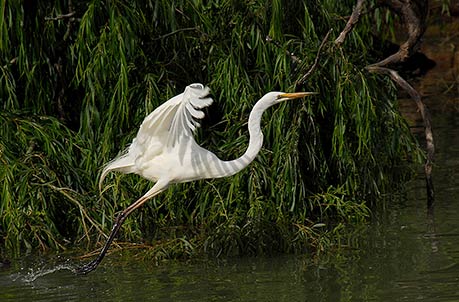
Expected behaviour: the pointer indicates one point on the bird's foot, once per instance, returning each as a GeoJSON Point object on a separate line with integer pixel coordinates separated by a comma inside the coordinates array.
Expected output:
{"type": "Point", "coordinates": [88, 267]}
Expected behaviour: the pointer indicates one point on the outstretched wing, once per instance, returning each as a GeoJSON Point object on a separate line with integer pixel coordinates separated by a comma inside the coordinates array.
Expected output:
{"type": "Point", "coordinates": [176, 119]}
{"type": "Point", "coordinates": [171, 124]}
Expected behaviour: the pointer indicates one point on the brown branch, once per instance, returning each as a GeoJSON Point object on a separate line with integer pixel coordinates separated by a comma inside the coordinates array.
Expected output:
{"type": "Point", "coordinates": [351, 22]}
{"type": "Point", "coordinates": [425, 114]}
{"type": "Point", "coordinates": [11, 62]}
{"type": "Point", "coordinates": [176, 32]}
{"type": "Point", "coordinates": [294, 58]}
{"type": "Point", "coordinates": [70, 23]}
{"type": "Point", "coordinates": [297, 60]}
{"type": "Point", "coordinates": [316, 61]}
{"type": "Point", "coordinates": [60, 17]}
{"type": "Point", "coordinates": [413, 15]}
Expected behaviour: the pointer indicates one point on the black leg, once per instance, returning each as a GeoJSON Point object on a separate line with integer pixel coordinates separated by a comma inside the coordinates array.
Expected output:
{"type": "Point", "coordinates": [90, 266]}
{"type": "Point", "coordinates": [156, 189]}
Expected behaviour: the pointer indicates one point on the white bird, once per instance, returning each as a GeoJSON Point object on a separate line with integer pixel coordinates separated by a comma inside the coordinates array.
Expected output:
{"type": "Point", "coordinates": [164, 150]}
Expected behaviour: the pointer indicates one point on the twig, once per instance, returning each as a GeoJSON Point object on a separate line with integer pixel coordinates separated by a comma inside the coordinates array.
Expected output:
{"type": "Point", "coordinates": [65, 192]}
{"type": "Point", "coordinates": [70, 23]}
{"type": "Point", "coordinates": [350, 23]}
{"type": "Point", "coordinates": [316, 61]}
{"type": "Point", "coordinates": [11, 62]}
{"type": "Point", "coordinates": [294, 58]}
{"type": "Point", "coordinates": [176, 32]}
{"type": "Point", "coordinates": [60, 17]}
{"type": "Point", "coordinates": [412, 17]}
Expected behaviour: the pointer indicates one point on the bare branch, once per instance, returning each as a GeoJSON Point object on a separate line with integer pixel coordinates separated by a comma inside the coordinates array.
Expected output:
{"type": "Point", "coordinates": [60, 17]}
{"type": "Point", "coordinates": [294, 58]}
{"type": "Point", "coordinates": [412, 14]}
{"type": "Point", "coordinates": [413, 17]}
{"type": "Point", "coordinates": [351, 22]}
{"type": "Point", "coordinates": [425, 114]}
{"type": "Point", "coordinates": [11, 62]}
{"type": "Point", "coordinates": [316, 61]}
{"type": "Point", "coordinates": [176, 32]}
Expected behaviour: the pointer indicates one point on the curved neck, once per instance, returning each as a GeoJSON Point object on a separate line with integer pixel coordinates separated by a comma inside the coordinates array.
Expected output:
{"type": "Point", "coordinates": [232, 167]}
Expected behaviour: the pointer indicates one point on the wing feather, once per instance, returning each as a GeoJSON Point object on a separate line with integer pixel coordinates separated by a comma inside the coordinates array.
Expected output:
{"type": "Point", "coordinates": [171, 124]}
{"type": "Point", "coordinates": [173, 121]}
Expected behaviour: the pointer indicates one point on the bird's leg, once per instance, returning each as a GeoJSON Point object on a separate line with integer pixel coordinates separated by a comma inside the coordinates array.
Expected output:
{"type": "Point", "coordinates": [88, 267]}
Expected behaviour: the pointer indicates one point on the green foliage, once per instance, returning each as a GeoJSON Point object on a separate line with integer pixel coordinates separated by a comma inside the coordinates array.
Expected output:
{"type": "Point", "coordinates": [73, 96]}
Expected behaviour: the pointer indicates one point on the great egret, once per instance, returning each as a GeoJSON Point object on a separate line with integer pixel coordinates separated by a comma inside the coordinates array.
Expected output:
{"type": "Point", "coordinates": [164, 150]}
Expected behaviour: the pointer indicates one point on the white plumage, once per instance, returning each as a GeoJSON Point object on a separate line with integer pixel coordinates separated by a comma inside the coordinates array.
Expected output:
{"type": "Point", "coordinates": [167, 129]}
{"type": "Point", "coordinates": [164, 150]}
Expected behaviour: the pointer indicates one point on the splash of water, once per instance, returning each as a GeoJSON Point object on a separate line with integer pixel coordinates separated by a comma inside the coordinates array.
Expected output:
{"type": "Point", "coordinates": [34, 274]}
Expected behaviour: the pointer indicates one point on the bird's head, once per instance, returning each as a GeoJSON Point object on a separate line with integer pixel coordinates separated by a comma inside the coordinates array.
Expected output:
{"type": "Point", "coordinates": [275, 97]}
{"type": "Point", "coordinates": [282, 96]}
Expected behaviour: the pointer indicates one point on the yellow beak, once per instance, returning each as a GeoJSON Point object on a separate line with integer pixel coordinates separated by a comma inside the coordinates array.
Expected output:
{"type": "Point", "coordinates": [295, 95]}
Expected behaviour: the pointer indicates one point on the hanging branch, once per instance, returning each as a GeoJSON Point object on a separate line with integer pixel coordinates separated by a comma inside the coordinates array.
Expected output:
{"type": "Point", "coordinates": [350, 23]}
{"type": "Point", "coordinates": [297, 60]}
{"type": "Point", "coordinates": [413, 18]}
{"type": "Point", "coordinates": [425, 114]}
{"type": "Point", "coordinates": [176, 32]}
{"type": "Point", "coordinates": [60, 17]}
{"type": "Point", "coordinates": [412, 14]}
{"type": "Point", "coordinates": [294, 58]}
{"type": "Point", "coordinates": [316, 61]}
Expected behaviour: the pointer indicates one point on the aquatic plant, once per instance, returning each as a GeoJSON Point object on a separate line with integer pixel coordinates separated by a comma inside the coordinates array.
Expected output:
{"type": "Point", "coordinates": [78, 77]}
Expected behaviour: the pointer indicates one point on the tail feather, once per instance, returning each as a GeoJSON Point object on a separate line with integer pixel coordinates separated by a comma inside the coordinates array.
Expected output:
{"type": "Point", "coordinates": [124, 164]}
